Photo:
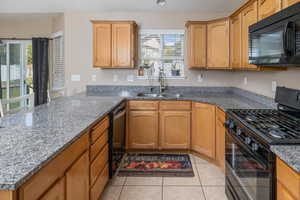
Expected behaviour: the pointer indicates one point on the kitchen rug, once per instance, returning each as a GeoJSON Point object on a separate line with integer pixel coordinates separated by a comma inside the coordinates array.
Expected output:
{"type": "Point", "coordinates": [156, 165]}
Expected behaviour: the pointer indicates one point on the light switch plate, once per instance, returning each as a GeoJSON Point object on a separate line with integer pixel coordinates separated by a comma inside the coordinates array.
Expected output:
{"type": "Point", "coordinates": [75, 77]}
{"type": "Point", "coordinates": [94, 77]}
{"type": "Point", "coordinates": [274, 86]}
{"type": "Point", "coordinates": [115, 78]}
{"type": "Point", "coordinates": [245, 80]}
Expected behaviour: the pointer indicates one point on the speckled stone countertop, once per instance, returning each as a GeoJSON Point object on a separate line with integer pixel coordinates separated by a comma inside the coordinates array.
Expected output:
{"type": "Point", "coordinates": [30, 139]}
{"type": "Point", "coordinates": [290, 154]}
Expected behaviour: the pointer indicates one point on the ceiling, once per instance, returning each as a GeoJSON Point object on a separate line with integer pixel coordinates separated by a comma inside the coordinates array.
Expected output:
{"type": "Point", "coordinates": [15, 6]}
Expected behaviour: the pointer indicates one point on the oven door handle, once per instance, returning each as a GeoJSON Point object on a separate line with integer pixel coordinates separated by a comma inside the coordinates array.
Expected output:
{"type": "Point", "coordinates": [119, 114]}
{"type": "Point", "coordinates": [288, 34]}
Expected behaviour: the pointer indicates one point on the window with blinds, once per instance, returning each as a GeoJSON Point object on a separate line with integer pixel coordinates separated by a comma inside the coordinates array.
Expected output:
{"type": "Point", "coordinates": [162, 49]}
{"type": "Point", "coordinates": [58, 70]}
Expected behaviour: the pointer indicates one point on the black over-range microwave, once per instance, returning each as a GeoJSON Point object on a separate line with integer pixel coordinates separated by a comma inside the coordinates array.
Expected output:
{"type": "Point", "coordinates": [275, 41]}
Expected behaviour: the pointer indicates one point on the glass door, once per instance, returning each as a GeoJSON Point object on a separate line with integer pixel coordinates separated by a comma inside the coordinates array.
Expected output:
{"type": "Point", "coordinates": [16, 74]}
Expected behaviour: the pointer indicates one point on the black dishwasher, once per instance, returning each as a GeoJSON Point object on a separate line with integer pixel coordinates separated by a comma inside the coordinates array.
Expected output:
{"type": "Point", "coordinates": [117, 137]}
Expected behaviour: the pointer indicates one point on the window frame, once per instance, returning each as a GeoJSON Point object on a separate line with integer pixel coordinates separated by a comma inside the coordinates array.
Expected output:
{"type": "Point", "coordinates": [161, 32]}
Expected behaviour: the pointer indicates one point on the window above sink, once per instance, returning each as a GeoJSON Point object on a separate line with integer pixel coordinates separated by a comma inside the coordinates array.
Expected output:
{"type": "Point", "coordinates": [161, 48]}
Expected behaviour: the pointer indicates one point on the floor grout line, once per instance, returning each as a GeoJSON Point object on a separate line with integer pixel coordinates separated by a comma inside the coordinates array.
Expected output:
{"type": "Point", "coordinates": [200, 182]}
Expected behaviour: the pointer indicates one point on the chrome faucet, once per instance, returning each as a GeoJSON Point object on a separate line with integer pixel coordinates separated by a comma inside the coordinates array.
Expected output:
{"type": "Point", "coordinates": [161, 80]}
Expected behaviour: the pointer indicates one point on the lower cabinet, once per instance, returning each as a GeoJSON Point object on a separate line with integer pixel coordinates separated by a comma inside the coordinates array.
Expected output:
{"type": "Point", "coordinates": [57, 192]}
{"type": "Point", "coordinates": [203, 129]}
{"type": "Point", "coordinates": [175, 129]}
{"type": "Point", "coordinates": [220, 138]}
{"type": "Point", "coordinates": [143, 130]}
{"type": "Point", "coordinates": [77, 179]}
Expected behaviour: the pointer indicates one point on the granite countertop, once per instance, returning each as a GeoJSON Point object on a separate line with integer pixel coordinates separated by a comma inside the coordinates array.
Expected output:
{"type": "Point", "coordinates": [290, 154]}
{"type": "Point", "coordinates": [30, 139]}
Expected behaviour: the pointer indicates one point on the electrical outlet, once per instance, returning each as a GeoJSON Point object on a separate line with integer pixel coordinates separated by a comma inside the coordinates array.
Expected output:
{"type": "Point", "coordinates": [115, 78]}
{"type": "Point", "coordinates": [274, 86]}
{"type": "Point", "coordinates": [75, 77]}
{"type": "Point", "coordinates": [130, 78]}
{"type": "Point", "coordinates": [94, 78]}
{"type": "Point", "coordinates": [245, 80]}
{"type": "Point", "coordinates": [200, 78]}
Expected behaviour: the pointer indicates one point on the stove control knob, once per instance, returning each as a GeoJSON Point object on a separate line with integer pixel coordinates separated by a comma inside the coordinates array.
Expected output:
{"type": "Point", "coordinates": [239, 132]}
{"type": "Point", "coordinates": [226, 124]}
{"type": "Point", "coordinates": [248, 140]}
{"type": "Point", "coordinates": [255, 147]}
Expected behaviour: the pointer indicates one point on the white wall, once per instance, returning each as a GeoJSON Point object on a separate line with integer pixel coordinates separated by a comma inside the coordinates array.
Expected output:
{"type": "Point", "coordinates": [78, 48]}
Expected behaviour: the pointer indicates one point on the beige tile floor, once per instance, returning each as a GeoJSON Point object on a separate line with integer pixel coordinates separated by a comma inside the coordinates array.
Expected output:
{"type": "Point", "coordinates": [207, 184]}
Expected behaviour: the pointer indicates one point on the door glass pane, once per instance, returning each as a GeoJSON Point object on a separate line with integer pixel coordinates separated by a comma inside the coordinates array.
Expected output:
{"type": "Point", "coordinates": [15, 61]}
{"type": "Point", "coordinates": [3, 71]}
{"type": "Point", "coordinates": [28, 72]}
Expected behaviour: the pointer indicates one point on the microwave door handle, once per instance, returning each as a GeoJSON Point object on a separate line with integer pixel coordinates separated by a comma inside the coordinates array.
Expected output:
{"type": "Point", "coordinates": [287, 39]}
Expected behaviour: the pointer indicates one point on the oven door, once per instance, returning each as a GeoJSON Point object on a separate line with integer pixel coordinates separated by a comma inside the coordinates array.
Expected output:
{"type": "Point", "coordinates": [247, 177]}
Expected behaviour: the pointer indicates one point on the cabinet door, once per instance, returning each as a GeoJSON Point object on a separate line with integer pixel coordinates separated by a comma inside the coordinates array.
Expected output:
{"type": "Point", "coordinates": [249, 17]}
{"type": "Point", "coordinates": [143, 130]}
{"type": "Point", "coordinates": [57, 192]}
{"type": "Point", "coordinates": [267, 8]}
{"type": "Point", "coordinates": [197, 45]}
{"type": "Point", "coordinates": [102, 45]}
{"type": "Point", "coordinates": [235, 40]}
{"type": "Point", "coordinates": [175, 129]}
{"type": "Point", "coordinates": [204, 131]}
{"type": "Point", "coordinates": [282, 193]}
{"type": "Point", "coordinates": [220, 142]}
{"type": "Point", "coordinates": [77, 179]}
{"type": "Point", "coordinates": [218, 44]}
{"type": "Point", "coordinates": [121, 45]}
{"type": "Point", "coordinates": [287, 3]}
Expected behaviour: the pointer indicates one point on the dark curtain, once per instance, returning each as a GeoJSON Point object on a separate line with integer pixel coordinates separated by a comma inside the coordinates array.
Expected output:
{"type": "Point", "coordinates": [40, 65]}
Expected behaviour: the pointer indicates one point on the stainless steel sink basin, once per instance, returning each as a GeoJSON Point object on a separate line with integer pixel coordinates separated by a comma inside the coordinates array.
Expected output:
{"type": "Point", "coordinates": [158, 95]}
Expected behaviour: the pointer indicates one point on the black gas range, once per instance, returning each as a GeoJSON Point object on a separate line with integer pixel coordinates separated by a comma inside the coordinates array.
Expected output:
{"type": "Point", "coordinates": [250, 164]}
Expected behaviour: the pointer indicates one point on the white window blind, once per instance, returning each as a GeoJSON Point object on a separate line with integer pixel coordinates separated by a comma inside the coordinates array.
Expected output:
{"type": "Point", "coordinates": [163, 49]}
{"type": "Point", "coordinates": [58, 71]}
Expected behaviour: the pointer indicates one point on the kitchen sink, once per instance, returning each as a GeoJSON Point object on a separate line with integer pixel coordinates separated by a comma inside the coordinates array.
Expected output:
{"type": "Point", "coordinates": [158, 95]}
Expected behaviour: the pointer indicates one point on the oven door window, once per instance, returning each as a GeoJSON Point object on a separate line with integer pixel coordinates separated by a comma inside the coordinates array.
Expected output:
{"type": "Point", "coordinates": [267, 47]}
{"type": "Point", "coordinates": [252, 176]}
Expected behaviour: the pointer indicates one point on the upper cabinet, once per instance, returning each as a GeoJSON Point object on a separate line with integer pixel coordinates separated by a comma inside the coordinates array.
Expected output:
{"type": "Point", "coordinates": [267, 8]}
{"type": "Point", "coordinates": [114, 44]}
{"type": "Point", "coordinates": [249, 17]}
{"type": "Point", "coordinates": [218, 44]}
{"type": "Point", "coordinates": [235, 41]}
{"type": "Point", "coordinates": [196, 42]}
{"type": "Point", "coordinates": [287, 3]}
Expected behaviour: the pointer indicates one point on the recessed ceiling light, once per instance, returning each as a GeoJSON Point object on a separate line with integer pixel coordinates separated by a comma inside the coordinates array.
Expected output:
{"type": "Point", "coordinates": [161, 2]}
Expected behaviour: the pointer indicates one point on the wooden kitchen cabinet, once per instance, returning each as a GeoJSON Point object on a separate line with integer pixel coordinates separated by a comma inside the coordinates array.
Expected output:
{"type": "Point", "coordinates": [235, 41]}
{"type": "Point", "coordinates": [203, 129]}
{"type": "Point", "coordinates": [220, 138]}
{"type": "Point", "coordinates": [267, 8]}
{"type": "Point", "coordinates": [57, 192]}
{"type": "Point", "coordinates": [288, 182]}
{"type": "Point", "coordinates": [143, 130]}
{"type": "Point", "coordinates": [218, 44]}
{"type": "Point", "coordinates": [114, 44]}
{"type": "Point", "coordinates": [249, 17]}
{"type": "Point", "coordinates": [287, 3]}
{"type": "Point", "coordinates": [175, 128]}
{"type": "Point", "coordinates": [77, 179]}
{"type": "Point", "coordinates": [196, 44]}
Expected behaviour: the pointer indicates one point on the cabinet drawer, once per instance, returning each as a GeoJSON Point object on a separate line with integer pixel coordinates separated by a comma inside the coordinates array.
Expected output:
{"type": "Point", "coordinates": [99, 129]}
{"type": "Point", "coordinates": [98, 164]}
{"type": "Point", "coordinates": [221, 115]}
{"type": "Point", "coordinates": [98, 145]}
{"type": "Point", "coordinates": [175, 105]}
{"type": "Point", "coordinates": [282, 193]}
{"type": "Point", "coordinates": [100, 183]}
{"type": "Point", "coordinates": [143, 105]}
{"type": "Point", "coordinates": [288, 178]}
{"type": "Point", "coordinates": [42, 181]}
